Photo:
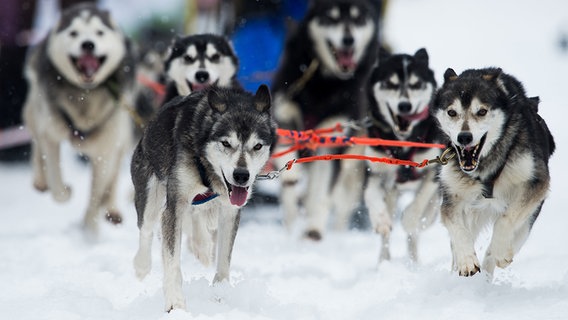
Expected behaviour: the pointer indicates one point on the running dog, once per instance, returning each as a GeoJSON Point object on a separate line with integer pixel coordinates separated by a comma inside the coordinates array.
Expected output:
{"type": "Point", "coordinates": [205, 149]}
{"type": "Point", "coordinates": [196, 62]}
{"type": "Point", "coordinates": [79, 77]}
{"type": "Point", "coordinates": [400, 91]}
{"type": "Point", "coordinates": [500, 176]}
{"type": "Point", "coordinates": [326, 62]}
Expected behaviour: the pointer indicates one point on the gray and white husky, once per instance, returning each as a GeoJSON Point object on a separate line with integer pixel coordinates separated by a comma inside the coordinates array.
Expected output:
{"type": "Point", "coordinates": [196, 62]}
{"type": "Point", "coordinates": [79, 77]}
{"type": "Point", "coordinates": [400, 91]}
{"type": "Point", "coordinates": [320, 81]}
{"type": "Point", "coordinates": [205, 149]}
{"type": "Point", "coordinates": [500, 176]}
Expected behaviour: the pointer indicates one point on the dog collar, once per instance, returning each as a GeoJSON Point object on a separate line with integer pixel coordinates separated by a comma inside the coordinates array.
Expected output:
{"type": "Point", "coordinates": [209, 194]}
{"type": "Point", "coordinates": [204, 197]}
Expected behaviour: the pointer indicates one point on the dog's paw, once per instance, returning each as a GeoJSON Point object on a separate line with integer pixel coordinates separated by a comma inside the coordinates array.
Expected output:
{"type": "Point", "coordinates": [142, 265]}
{"type": "Point", "coordinates": [220, 277]}
{"type": "Point", "coordinates": [383, 228]}
{"type": "Point", "coordinates": [467, 265]}
{"type": "Point", "coordinates": [500, 258]}
{"type": "Point", "coordinates": [176, 303]}
{"type": "Point", "coordinates": [40, 186]}
{"type": "Point", "coordinates": [313, 234]}
{"type": "Point", "coordinates": [113, 217]}
{"type": "Point", "coordinates": [62, 195]}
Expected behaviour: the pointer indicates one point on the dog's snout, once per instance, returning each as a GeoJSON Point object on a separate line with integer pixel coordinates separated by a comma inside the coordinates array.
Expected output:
{"type": "Point", "coordinates": [202, 76]}
{"type": "Point", "coordinates": [404, 107]}
{"type": "Point", "coordinates": [465, 138]}
{"type": "Point", "coordinates": [348, 40]}
{"type": "Point", "coordinates": [88, 46]}
{"type": "Point", "coordinates": [241, 175]}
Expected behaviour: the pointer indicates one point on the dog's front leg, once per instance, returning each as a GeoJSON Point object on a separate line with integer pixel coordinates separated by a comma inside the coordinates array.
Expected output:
{"type": "Point", "coordinates": [51, 149]}
{"type": "Point", "coordinates": [461, 239]}
{"type": "Point", "coordinates": [510, 231]}
{"type": "Point", "coordinates": [379, 213]}
{"type": "Point", "coordinates": [228, 225]}
{"type": "Point", "coordinates": [104, 177]}
{"type": "Point", "coordinates": [200, 240]}
{"type": "Point", "coordinates": [171, 250]}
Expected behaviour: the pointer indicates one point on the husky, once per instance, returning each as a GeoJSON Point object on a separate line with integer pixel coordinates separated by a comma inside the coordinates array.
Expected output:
{"type": "Point", "coordinates": [80, 76]}
{"type": "Point", "coordinates": [500, 176]}
{"type": "Point", "coordinates": [326, 62]}
{"type": "Point", "coordinates": [196, 62]}
{"type": "Point", "coordinates": [203, 149]}
{"type": "Point", "coordinates": [400, 91]}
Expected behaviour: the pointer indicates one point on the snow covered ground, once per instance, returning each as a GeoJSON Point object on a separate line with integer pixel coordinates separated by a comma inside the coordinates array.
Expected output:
{"type": "Point", "coordinates": [48, 270]}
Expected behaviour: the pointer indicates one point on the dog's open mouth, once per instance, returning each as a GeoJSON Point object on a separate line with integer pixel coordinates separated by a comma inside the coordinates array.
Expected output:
{"type": "Point", "coordinates": [196, 86]}
{"type": "Point", "coordinates": [469, 156]}
{"type": "Point", "coordinates": [87, 65]}
{"type": "Point", "coordinates": [343, 57]}
{"type": "Point", "coordinates": [403, 121]}
{"type": "Point", "coordinates": [237, 194]}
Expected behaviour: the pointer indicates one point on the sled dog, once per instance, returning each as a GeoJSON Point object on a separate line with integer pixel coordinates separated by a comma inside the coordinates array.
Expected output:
{"type": "Point", "coordinates": [79, 77]}
{"type": "Point", "coordinates": [400, 91]}
{"type": "Point", "coordinates": [326, 62]}
{"type": "Point", "coordinates": [196, 62]}
{"type": "Point", "coordinates": [205, 147]}
{"type": "Point", "coordinates": [500, 174]}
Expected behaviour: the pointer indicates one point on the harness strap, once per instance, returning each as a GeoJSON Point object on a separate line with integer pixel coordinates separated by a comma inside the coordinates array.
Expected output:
{"type": "Point", "coordinates": [301, 82]}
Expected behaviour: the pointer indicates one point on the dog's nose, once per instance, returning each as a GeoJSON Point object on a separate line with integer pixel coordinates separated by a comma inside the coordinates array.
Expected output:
{"type": "Point", "coordinates": [404, 107]}
{"type": "Point", "coordinates": [202, 76]}
{"type": "Point", "coordinates": [88, 46]}
{"type": "Point", "coordinates": [348, 40]}
{"type": "Point", "coordinates": [465, 138]}
{"type": "Point", "coordinates": [241, 175]}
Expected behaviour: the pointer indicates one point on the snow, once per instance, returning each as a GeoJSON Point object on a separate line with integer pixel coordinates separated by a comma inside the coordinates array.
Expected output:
{"type": "Point", "coordinates": [48, 270]}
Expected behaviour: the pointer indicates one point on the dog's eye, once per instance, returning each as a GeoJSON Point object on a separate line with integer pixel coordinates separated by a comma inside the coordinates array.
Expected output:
{"type": "Point", "coordinates": [452, 113]}
{"type": "Point", "coordinates": [226, 144]}
{"type": "Point", "coordinates": [188, 59]}
{"type": "Point", "coordinates": [215, 58]}
{"type": "Point", "coordinates": [257, 146]}
{"type": "Point", "coordinates": [482, 112]}
{"type": "Point", "coordinates": [73, 34]}
{"type": "Point", "coordinates": [100, 33]}
{"type": "Point", "coordinates": [390, 85]}
{"type": "Point", "coordinates": [415, 86]}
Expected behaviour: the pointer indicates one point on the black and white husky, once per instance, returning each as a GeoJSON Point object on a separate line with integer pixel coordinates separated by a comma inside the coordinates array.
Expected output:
{"type": "Point", "coordinates": [500, 176]}
{"type": "Point", "coordinates": [205, 149]}
{"type": "Point", "coordinates": [80, 77]}
{"type": "Point", "coordinates": [196, 62]}
{"type": "Point", "coordinates": [319, 82]}
{"type": "Point", "coordinates": [400, 91]}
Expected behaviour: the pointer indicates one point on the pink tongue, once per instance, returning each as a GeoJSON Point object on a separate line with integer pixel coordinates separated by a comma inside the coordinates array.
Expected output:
{"type": "Point", "coordinates": [238, 196]}
{"type": "Point", "coordinates": [199, 86]}
{"type": "Point", "coordinates": [345, 59]}
{"type": "Point", "coordinates": [88, 64]}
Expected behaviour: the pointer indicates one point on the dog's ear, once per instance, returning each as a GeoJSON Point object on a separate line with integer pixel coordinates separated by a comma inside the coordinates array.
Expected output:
{"type": "Point", "coordinates": [492, 74]}
{"type": "Point", "coordinates": [534, 101]}
{"type": "Point", "coordinates": [215, 100]}
{"type": "Point", "coordinates": [262, 98]}
{"type": "Point", "coordinates": [421, 56]}
{"type": "Point", "coordinates": [450, 75]}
